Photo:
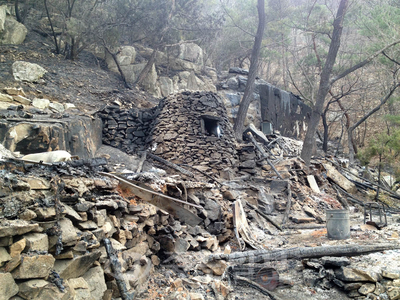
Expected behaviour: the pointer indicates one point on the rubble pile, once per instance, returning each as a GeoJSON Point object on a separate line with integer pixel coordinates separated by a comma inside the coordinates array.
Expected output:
{"type": "Point", "coordinates": [54, 221]}
{"type": "Point", "coordinates": [357, 282]}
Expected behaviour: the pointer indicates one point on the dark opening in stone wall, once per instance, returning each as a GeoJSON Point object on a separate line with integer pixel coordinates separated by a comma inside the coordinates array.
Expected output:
{"type": "Point", "coordinates": [210, 126]}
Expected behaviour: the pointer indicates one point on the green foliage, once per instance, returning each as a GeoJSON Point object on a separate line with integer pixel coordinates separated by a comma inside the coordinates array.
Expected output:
{"type": "Point", "coordinates": [385, 148]}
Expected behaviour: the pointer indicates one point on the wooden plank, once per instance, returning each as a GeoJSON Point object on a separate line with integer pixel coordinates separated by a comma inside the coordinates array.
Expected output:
{"type": "Point", "coordinates": [162, 201]}
{"type": "Point", "coordinates": [313, 184]}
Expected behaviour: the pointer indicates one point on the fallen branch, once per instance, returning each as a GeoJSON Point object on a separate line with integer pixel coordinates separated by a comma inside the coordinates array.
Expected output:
{"type": "Point", "coordinates": [342, 200]}
{"type": "Point", "coordinates": [349, 196]}
{"type": "Point", "coordinates": [393, 194]}
{"type": "Point", "coordinates": [170, 164]}
{"type": "Point", "coordinates": [261, 256]}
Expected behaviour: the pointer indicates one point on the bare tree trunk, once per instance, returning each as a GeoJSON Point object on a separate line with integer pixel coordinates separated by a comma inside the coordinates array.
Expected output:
{"type": "Point", "coordinates": [52, 28]}
{"type": "Point", "coordinates": [379, 177]}
{"type": "Point", "coordinates": [325, 83]}
{"type": "Point", "coordinates": [17, 12]}
{"type": "Point", "coordinates": [147, 68]}
{"type": "Point", "coordinates": [248, 92]}
{"type": "Point", "coordinates": [114, 56]}
{"type": "Point", "coordinates": [348, 126]}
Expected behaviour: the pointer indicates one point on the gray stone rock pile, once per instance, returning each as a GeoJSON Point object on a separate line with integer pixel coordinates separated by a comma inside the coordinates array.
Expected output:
{"type": "Point", "coordinates": [189, 128]}
{"type": "Point", "coordinates": [53, 222]}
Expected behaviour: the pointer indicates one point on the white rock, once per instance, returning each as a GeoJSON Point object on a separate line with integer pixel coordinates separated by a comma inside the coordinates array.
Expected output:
{"type": "Point", "coordinates": [14, 32]}
{"type": "Point", "coordinates": [41, 103]}
{"type": "Point", "coordinates": [68, 106]}
{"type": "Point", "coordinates": [26, 71]}
{"type": "Point", "coordinates": [49, 157]}
{"type": "Point", "coordinates": [56, 106]}
{"type": "Point", "coordinates": [5, 98]}
{"type": "Point", "coordinates": [3, 14]}
{"type": "Point", "coordinates": [23, 100]}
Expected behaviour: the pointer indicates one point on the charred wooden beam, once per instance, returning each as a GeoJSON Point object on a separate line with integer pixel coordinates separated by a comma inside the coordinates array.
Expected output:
{"type": "Point", "coordinates": [265, 216]}
{"type": "Point", "coordinates": [170, 164]}
{"type": "Point", "coordinates": [260, 256]}
{"type": "Point", "coordinates": [162, 201]}
{"type": "Point", "coordinates": [116, 268]}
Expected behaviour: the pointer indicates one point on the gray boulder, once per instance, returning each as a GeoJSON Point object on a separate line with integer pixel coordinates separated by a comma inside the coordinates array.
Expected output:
{"type": "Point", "coordinates": [3, 14]}
{"type": "Point", "coordinates": [191, 52]}
{"type": "Point", "coordinates": [26, 71]}
{"type": "Point", "coordinates": [14, 33]}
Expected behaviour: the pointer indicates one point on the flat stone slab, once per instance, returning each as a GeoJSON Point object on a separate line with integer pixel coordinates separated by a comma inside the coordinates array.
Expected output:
{"type": "Point", "coordinates": [353, 275]}
{"type": "Point", "coordinates": [31, 267]}
{"type": "Point", "coordinates": [76, 267]}
{"type": "Point", "coordinates": [16, 227]}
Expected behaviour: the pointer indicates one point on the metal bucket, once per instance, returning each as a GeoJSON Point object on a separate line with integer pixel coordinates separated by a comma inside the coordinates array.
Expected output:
{"type": "Point", "coordinates": [338, 224]}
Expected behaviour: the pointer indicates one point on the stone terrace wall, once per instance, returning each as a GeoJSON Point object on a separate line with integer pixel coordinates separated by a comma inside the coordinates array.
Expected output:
{"type": "Point", "coordinates": [126, 129]}
{"type": "Point", "coordinates": [179, 136]}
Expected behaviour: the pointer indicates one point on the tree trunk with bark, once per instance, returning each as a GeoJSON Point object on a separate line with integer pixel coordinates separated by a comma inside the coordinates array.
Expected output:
{"type": "Point", "coordinates": [248, 92]}
{"type": "Point", "coordinates": [325, 83]}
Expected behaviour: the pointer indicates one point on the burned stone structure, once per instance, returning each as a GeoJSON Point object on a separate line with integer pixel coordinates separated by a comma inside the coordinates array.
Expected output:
{"type": "Point", "coordinates": [26, 132]}
{"type": "Point", "coordinates": [272, 109]}
{"type": "Point", "coordinates": [193, 128]}
{"type": "Point", "coordinates": [127, 129]}
{"type": "Point", "coordinates": [189, 128]}
{"type": "Point", "coordinates": [283, 111]}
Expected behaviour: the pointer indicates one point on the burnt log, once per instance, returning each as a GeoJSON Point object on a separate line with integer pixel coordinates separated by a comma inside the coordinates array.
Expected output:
{"type": "Point", "coordinates": [260, 256]}
{"type": "Point", "coordinates": [170, 164]}
{"type": "Point", "coordinates": [116, 268]}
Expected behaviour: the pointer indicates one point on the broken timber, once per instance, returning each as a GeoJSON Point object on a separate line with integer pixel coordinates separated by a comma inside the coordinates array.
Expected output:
{"type": "Point", "coordinates": [170, 164]}
{"type": "Point", "coordinates": [265, 216]}
{"type": "Point", "coordinates": [263, 153]}
{"type": "Point", "coordinates": [116, 268]}
{"type": "Point", "coordinates": [162, 201]}
{"type": "Point", "coordinates": [242, 227]}
{"type": "Point", "coordinates": [260, 256]}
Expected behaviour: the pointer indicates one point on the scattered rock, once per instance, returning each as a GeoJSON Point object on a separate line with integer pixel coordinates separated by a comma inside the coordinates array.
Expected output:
{"type": "Point", "coordinates": [76, 267]}
{"type": "Point", "coordinates": [16, 227]}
